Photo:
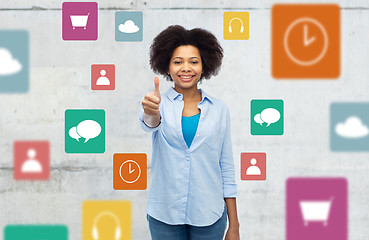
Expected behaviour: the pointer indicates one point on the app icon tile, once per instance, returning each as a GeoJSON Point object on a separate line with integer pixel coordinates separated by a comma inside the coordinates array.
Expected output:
{"type": "Point", "coordinates": [306, 41]}
{"type": "Point", "coordinates": [253, 166]}
{"type": "Point", "coordinates": [107, 220]}
{"type": "Point", "coordinates": [84, 131]}
{"type": "Point", "coordinates": [79, 21]}
{"type": "Point", "coordinates": [14, 61]}
{"type": "Point", "coordinates": [36, 232]}
{"type": "Point", "coordinates": [349, 126]}
{"type": "Point", "coordinates": [267, 117]}
{"type": "Point", "coordinates": [317, 209]}
{"type": "Point", "coordinates": [236, 25]}
{"type": "Point", "coordinates": [128, 26]}
{"type": "Point", "coordinates": [103, 77]}
{"type": "Point", "coordinates": [31, 160]}
{"type": "Point", "coordinates": [130, 171]}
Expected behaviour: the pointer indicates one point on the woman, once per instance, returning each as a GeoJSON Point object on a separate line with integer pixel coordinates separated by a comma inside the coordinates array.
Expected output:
{"type": "Point", "coordinates": [193, 186]}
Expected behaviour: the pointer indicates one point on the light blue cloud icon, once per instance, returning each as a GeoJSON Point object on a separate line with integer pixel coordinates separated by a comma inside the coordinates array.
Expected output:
{"type": "Point", "coordinates": [352, 128]}
{"type": "Point", "coordinates": [349, 126]}
{"type": "Point", "coordinates": [8, 65]}
{"type": "Point", "coordinates": [129, 26]}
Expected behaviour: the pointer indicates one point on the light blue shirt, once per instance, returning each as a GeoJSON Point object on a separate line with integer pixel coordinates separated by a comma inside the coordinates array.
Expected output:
{"type": "Point", "coordinates": [188, 185]}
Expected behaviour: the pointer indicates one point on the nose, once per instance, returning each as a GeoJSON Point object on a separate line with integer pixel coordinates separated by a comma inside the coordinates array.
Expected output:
{"type": "Point", "coordinates": [186, 67]}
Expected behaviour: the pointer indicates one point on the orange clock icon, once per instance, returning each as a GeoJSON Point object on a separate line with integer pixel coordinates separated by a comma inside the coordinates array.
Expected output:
{"type": "Point", "coordinates": [310, 40]}
{"type": "Point", "coordinates": [130, 171]}
{"type": "Point", "coordinates": [306, 41]}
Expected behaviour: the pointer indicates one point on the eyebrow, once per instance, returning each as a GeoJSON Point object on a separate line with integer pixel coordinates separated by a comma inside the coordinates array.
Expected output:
{"type": "Point", "coordinates": [182, 58]}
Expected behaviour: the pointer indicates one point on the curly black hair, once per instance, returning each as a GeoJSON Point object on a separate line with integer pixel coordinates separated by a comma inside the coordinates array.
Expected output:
{"type": "Point", "coordinates": [174, 36]}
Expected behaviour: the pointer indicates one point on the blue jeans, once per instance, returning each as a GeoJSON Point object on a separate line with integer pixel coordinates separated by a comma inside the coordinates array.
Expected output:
{"type": "Point", "coordinates": [163, 231]}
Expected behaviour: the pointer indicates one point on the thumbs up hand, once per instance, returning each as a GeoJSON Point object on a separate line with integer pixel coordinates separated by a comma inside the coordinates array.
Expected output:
{"type": "Point", "coordinates": [150, 105]}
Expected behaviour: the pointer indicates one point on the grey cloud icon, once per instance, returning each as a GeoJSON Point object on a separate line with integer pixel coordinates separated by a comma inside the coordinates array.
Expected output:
{"type": "Point", "coordinates": [128, 27]}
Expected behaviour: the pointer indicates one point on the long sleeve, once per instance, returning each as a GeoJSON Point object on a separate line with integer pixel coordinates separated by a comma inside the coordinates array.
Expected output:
{"type": "Point", "coordinates": [227, 162]}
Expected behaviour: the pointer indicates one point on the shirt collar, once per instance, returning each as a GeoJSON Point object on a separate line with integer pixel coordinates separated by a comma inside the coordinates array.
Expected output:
{"type": "Point", "coordinates": [173, 94]}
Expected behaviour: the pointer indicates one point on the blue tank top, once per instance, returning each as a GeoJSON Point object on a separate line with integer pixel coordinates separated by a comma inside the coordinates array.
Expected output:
{"type": "Point", "coordinates": [189, 128]}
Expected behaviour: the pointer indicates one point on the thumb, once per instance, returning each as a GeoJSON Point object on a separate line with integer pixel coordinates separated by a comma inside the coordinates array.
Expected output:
{"type": "Point", "coordinates": [156, 91]}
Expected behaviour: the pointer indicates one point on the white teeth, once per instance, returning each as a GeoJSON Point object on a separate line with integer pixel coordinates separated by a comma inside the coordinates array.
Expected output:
{"type": "Point", "coordinates": [187, 77]}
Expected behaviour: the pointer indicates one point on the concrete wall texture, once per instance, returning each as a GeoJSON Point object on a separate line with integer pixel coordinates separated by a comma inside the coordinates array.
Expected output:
{"type": "Point", "coordinates": [60, 80]}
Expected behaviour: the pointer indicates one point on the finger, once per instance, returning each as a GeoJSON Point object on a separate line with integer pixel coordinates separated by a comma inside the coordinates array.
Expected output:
{"type": "Point", "coordinates": [149, 108]}
{"type": "Point", "coordinates": [151, 112]}
{"type": "Point", "coordinates": [152, 98]}
{"type": "Point", "coordinates": [150, 104]}
{"type": "Point", "coordinates": [156, 82]}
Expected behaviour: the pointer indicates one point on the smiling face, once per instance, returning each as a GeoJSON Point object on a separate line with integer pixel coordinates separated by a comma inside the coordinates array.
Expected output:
{"type": "Point", "coordinates": [185, 67]}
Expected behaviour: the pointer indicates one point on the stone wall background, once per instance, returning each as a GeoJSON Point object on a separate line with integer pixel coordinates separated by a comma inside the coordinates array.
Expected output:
{"type": "Point", "coordinates": [60, 80]}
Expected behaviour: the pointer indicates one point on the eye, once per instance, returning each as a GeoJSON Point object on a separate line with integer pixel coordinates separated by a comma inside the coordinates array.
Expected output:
{"type": "Point", "coordinates": [177, 62]}
{"type": "Point", "coordinates": [194, 62]}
